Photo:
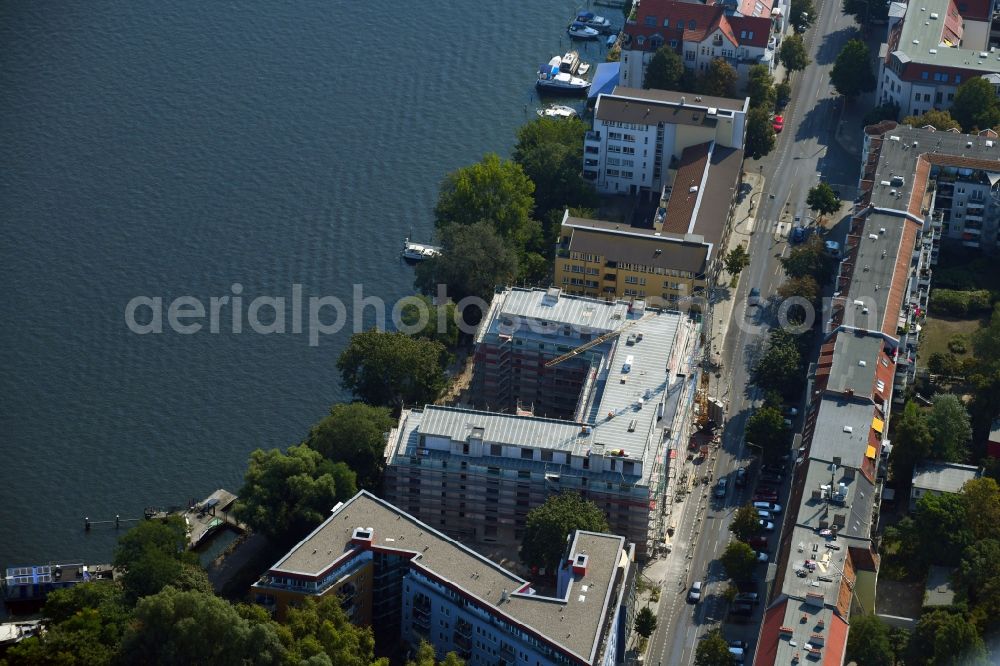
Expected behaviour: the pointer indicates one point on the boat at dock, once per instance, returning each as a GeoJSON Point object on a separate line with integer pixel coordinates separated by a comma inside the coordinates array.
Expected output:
{"type": "Point", "coordinates": [31, 584]}
{"type": "Point", "coordinates": [419, 251]}
{"type": "Point", "coordinates": [12, 633]}
{"type": "Point", "coordinates": [592, 20]}
{"type": "Point", "coordinates": [558, 111]}
{"type": "Point", "coordinates": [571, 64]}
{"type": "Point", "coordinates": [551, 79]}
{"type": "Point", "coordinates": [577, 30]}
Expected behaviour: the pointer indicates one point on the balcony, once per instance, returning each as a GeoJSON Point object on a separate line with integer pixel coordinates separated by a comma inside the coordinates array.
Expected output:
{"type": "Point", "coordinates": [592, 137]}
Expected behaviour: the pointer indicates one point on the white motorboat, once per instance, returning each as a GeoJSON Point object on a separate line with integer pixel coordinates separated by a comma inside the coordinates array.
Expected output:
{"type": "Point", "coordinates": [553, 80]}
{"type": "Point", "coordinates": [577, 30]}
{"type": "Point", "coordinates": [591, 20]}
{"type": "Point", "coordinates": [419, 251]}
{"type": "Point", "coordinates": [558, 111]}
{"type": "Point", "coordinates": [571, 64]}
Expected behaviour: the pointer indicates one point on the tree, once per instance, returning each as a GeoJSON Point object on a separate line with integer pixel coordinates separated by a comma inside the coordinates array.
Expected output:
{"type": "Point", "coordinates": [980, 566]}
{"type": "Point", "coordinates": [793, 54]}
{"type": "Point", "coordinates": [911, 443]}
{"type": "Point", "coordinates": [441, 324]}
{"type": "Point", "coordinates": [887, 111]}
{"type": "Point", "coordinates": [473, 261]}
{"type": "Point", "coordinates": [939, 120]}
{"type": "Point", "coordinates": [868, 641]}
{"type": "Point", "coordinates": [866, 12]}
{"type": "Point", "coordinates": [154, 554]}
{"type": "Point", "coordinates": [746, 522]}
{"type": "Point", "coordinates": [778, 369]}
{"type": "Point", "coordinates": [713, 650]}
{"type": "Point", "coordinates": [645, 622]}
{"type": "Point", "coordinates": [944, 364]}
{"type": "Point", "coordinates": [800, 287]}
{"type": "Point", "coordinates": [285, 495]}
{"type": "Point", "coordinates": [497, 191]}
{"type": "Point", "coordinates": [782, 93]}
{"type": "Point", "coordinates": [392, 369]}
{"type": "Point", "coordinates": [354, 434]}
{"type": "Point", "coordinates": [760, 138]}
{"type": "Point", "coordinates": [736, 260]}
{"type": "Point", "coordinates": [718, 80]}
{"type": "Point", "coordinates": [950, 427]}
{"type": "Point", "coordinates": [551, 152]}
{"type": "Point", "coordinates": [852, 72]}
{"type": "Point", "coordinates": [982, 507]}
{"type": "Point", "coordinates": [942, 528]}
{"type": "Point", "coordinates": [175, 627]}
{"type": "Point", "coordinates": [665, 70]}
{"type": "Point", "coordinates": [810, 259]}
{"type": "Point", "coordinates": [739, 559]}
{"type": "Point", "coordinates": [945, 637]}
{"type": "Point", "coordinates": [760, 86]}
{"type": "Point", "coordinates": [766, 429]}
{"type": "Point", "coordinates": [322, 629]}
{"type": "Point", "coordinates": [549, 525]}
{"type": "Point", "coordinates": [801, 12]}
{"type": "Point", "coordinates": [427, 657]}
{"type": "Point", "coordinates": [823, 200]}
{"type": "Point", "coordinates": [975, 106]}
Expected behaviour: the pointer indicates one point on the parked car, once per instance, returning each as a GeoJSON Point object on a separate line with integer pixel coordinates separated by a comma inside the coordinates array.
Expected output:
{"type": "Point", "coordinates": [778, 123]}
{"type": "Point", "coordinates": [764, 514]}
{"type": "Point", "coordinates": [790, 411]}
{"type": "Point", "coordinates": [738, 644]}
{"type": "Point", "coordinates": [721, 487]}
{"type": "Point", "coordinates": [742, 608]}
{"type": "Point", "coordinates": [772, 477]}
{"type": "Point", "coordinates": [758, 542]}
{"type": "Point", "coordinates": [765, 495]}
{"type": "Point", "coordinates": [738, 655]}
{"type": "Point", "coordinates": [762, 556]}
{"type": "Point", "coordinates": [694, 594]}
{"type": "Point", "coordinates": [741, 477]}
{"type": "Point", "coordinates": [768, 506]}
{"type": "Point", "coordinates": [766, 525]}
{"type": "Point", "coordinates": [754, 297]}
{"type": "Point", "coordinates": [749, 597]}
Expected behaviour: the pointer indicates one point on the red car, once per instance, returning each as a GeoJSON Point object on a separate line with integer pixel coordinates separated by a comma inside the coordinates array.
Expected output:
{"type": "Point", "coordinates": [779, 123]}
{"type": "Point", "coordinates": [765, 496]}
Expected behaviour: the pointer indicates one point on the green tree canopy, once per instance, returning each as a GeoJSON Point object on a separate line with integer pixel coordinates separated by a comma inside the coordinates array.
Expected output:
{"type": "Point", "coordinates": [911, 442]}
{"type": "Point", "coordinates": [664, 71]}
{"type": "Point", "coordinates": [852, 72]}
{"type": "Point", "coordinates": [809, 258]}
{"type": "Point", "coordinates": [285, 495]}
{"type": "Point", "coordinates": [801, 287]}
{"type": "Point", "coordinates": [868, 641]}
{"type": "Point", "coordinates": [778, 369]}
{"type": "Point", "coordinates": [945, 638]}
{"type": "Point", "coordinates": [718, 80]}
{"type": "Point", "coordinates": [713, 650]}
{"type": "Point", "coordinates": [441, 325]}
{"type": "Point", "coordinates": [745, 523]}
{"type": "Point", "coordinates": [866, 13]}
{"type": "Point", "coordinates": [950, 428]}
{"type": "Point", "coordinates": [427, 657]}
{"type": "Point", "coordinates": [798, 11]}
{"type": "Point", "coordinates": [793, 54]}
{"type": "Point", "coordinates": [473, 262]}
{"type": "Point", "coordinates": [391, 369]}
{"type": "Point", "coordinates": [645, 622]}
{"type": "Point", "coordinates": [549, 525]}
{"type": "Point", "coordinates": [939, 120]}
{"type": "Point", "coordinates": [760, 86]}
{"type": "Point", "coordinates": [188, 628]}
{"type": "Point", "coordinates": [760, 138]}
{"type": "Point", "coordinates": [941, 527]}
{"type": "Point", "coordinates": [736, 260]}
{"type": "Point", "coordinates": [322, 630]}
{"type": "Point", "coordinates": [783, 92]}
{"type": "Point", "coordinates": [739, 559]}
{"type": "Point", "coordinates": [354, 434]}
{"type": "Point", "coordinates": [766, 429]}
{"type": "Point", "coordinates": [551, 151]}
{"type": "Point", "coordinates": [975, 106]}
{"type": "Point", "coordinates": [982, 507]}
{"type": "Point", "coordinates": [497, 191]}
{"type": "Point", "coordinates": [822, 199]}
{"type": "Point", "coordinates": [154, 554]}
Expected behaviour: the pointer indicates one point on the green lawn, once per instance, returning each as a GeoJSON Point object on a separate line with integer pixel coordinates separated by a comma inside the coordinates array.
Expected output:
{"type": "Point", "coordinates": [937, 331]}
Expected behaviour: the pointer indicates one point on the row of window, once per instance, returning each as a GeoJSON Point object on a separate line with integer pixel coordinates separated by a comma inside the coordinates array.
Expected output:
{"type": "Point", "coordinates": [615, 173]}
{"type": "Point", "coordinates": [651, 21]}
{"type": "Point", "coordinates": [614, 161]}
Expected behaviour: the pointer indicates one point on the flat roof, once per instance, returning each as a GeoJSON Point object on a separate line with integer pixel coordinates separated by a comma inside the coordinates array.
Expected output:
{"type": "Point", "coordinates": [942, 34]}
{"type": "Point", "coordinates": [638, 246]}
{"type": "Point", "coordinates": [676, 97]}
{"type": "Point", "coordinates": [574, 622]}
{"type": "Point", "coordinates": [843, 430]}
{"type": "Point", "coordinates": [943, 477]}
{"type": "Point", "coordinates": [855, 363]}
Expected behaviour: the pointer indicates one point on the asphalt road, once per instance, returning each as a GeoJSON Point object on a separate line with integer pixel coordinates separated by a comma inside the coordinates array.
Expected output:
{"type": "Point", "coordinates": [806, 152]}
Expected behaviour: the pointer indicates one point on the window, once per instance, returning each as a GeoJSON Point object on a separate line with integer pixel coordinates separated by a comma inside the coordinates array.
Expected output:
{"type": "Point", "coordinates": [916, 97]}
{"type": "Point", "coordinates": [927, 97]}
{"type": "Point", "coordinates": [628, 150]}
{"type": "Point", "coordinates": [626, 174]}
{"type": "Point", "coordinates": [958, 78]}
{"type": "Point", "coordinates": [673, 43]}
{"type": "Point", "coordinates": [689, 55]}
{"type": "Point", "coordinates": [924, 75]}
{"type": "Point", "coordinates": [651, 21]}
{"type": "Point", "coordinates": [496, 449]}
{"type": "Point", "coordinates": [666, 23]}
{"type": "Point", "coordinates": [613, 173]}
{"type": "Point", "coordinates": [691, 24]}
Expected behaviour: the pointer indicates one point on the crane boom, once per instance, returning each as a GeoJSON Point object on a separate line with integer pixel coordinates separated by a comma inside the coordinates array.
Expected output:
{"type": "Point", "coordinates": [596, 341]}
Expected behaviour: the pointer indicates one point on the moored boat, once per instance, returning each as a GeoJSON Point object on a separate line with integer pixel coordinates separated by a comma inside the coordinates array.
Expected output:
{"type": "Point", "coordinates": [550, 79]}
{"type": "Point", "coordinates": [571, 64]}
{"type": "Point", "coordinates": [594, 21]}
{"type": "Point", "coordinates": [558, 111]}
{"type": "Point", "coordinates": [577, 30]}
{"type": "Point", "coordinates": [419, 251]}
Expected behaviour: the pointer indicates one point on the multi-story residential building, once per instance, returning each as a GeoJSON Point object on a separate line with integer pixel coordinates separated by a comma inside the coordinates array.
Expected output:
{"type": "Point", "coordinates": [827, 567]}
{"type": "Point", "coordinates": [929, 53]}
{"type": "Point", "coordinates": [640, 136]}
{"type": "Point", "coordinates": [477, 474]}
{"type": "Point", "coordinates": [411, 582]}
{"type": "Point", "coordinates": [699, 33]}
{"type": "Point", "coordinates": [671, 263]}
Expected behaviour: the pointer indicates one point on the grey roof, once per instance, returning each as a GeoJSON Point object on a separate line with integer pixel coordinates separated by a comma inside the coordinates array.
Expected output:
{"type": "Point", "coordinates": [846, 372]}
{"type": "Point", "coordinates": [918, 25]}
{"type": "Point", "coordinates": [831, 438]}
{"type": "Point", "coordinates": [851, 502]}
{"type": "Point", "coordinates": [943, 477]}
{"type": "Point", "coordinates": [580, 312]}
{"type": "Point", "coordinates": [639, 246]}
{"type": "Point", "coordinates": [574, 622]}
{"type": "Point", "coordinates": [675, 97]}
{"type": "Point", "coordinates": [530, 431]}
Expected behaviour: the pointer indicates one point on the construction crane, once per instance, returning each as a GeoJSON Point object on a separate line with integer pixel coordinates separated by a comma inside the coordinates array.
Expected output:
{"type": "Point", "coordinates": [573, 353]}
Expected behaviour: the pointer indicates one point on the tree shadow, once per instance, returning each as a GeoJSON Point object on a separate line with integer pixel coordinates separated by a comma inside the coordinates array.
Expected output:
{"type": "Point", "coordinates": [829, 49]}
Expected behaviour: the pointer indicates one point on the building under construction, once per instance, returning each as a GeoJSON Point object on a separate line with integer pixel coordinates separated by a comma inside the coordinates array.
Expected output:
{"type": "Point", "coordinates": [620, 376]}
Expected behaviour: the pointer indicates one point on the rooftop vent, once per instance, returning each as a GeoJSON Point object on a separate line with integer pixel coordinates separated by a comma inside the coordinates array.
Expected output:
{"type": "Point", "coordinates": [932, 51]}
{"type": "Point", "coordinates": [915, 41]}
{"type": "Point", "coordinates": [863, 363]}
{"type": "Point", "coordinates": [934, 15]}
{"type": "Point", "coordinates": [693, 189]}
{"type": "Point", "coordinates": [968, 144]}
{"type": "Point", "coordinates": [363, 536]}
{"type": "Point", "coordinates": [580, 565]}
{"type": "Point", "coordinates": [848, 429]}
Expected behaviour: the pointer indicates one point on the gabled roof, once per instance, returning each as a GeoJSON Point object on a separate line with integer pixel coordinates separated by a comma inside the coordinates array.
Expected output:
{"type": "Point", "coordinates": [757, 30]}
{"type": "Point", "coordinates": [693, 22]}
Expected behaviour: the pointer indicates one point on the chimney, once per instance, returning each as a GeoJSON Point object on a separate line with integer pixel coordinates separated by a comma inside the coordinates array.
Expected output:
{"type": "Point", "coordinates": [363, 537]}
{"type": "Point", "coordinates": [580, 565]}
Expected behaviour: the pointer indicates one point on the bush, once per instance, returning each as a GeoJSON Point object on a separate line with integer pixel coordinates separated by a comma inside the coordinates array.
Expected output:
{"type": "Point", "coordinates": [959, 303]}
{"type": "Point", "coordinates": [957, 344]}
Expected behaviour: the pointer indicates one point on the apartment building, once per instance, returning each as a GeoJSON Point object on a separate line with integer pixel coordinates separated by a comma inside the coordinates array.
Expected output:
{"type": "Point", "coordinates": [639, 137]}
{"type": "Point", "coordinates": [670, 264]}
{"type": "Point", "coordinates": [930, 52]}
{"type": "Point", "coordinates": [827, 567]}
{"type": "Point", "coordinates": [410, 582]}
{"type": "Point", "coordinates": [699, 33]}
{"type": "Point", "coordinates": [476, 474]}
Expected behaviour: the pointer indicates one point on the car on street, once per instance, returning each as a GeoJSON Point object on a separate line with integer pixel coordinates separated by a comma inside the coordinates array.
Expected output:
{"type": "Point", "coordinates": [768, 506]}
{"type": "Point", "coordinates": [762, 496]}
{"type": "Point", "coordinates": [801, 28]}
{"type": "Point", "coordinates": [764, 514]}
{"type": "Point", "coordinates": [694, 594]}
{"type": "Point", "coordinates": [721, 487]}
{"type": "Point", "coordinates": [790, 411]}
{"type": "Point", "coordinates": [738, 644]}
{"type": "Point", "coordinates": [754, 296]}
{"type": "Point", "coordinates": [742, 608]}
{"type": "Point", "coordinates": [778, 124]}
{"type": "Point", "coordinates": [766, 525]}
{"type": "Point", "coordinates": [748, 597]}
{"type": "Point", "coordinates": [770, 477]}
{"type": "Point", "coordinates": [759, 542]}
{"type": "Point", "coordinates": [741, 477]}
{"type": "Point", "coordinates": [762, 556]}
{"type": "Point", "coordinates": [738, 655]}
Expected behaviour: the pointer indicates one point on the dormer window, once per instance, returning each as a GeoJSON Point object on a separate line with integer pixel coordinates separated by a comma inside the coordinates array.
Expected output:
{"type": "Point", "coordinates": [651, 21]}
{"type": "Point", "coordinates": [691, 24]}
{"type": "Point", "coordinates": [666, 23]}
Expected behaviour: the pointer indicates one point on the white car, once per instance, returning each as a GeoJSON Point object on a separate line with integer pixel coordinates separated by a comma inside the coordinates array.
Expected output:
{"type": "Point", "coordinates": [694, 594]}
{"type": "Point", "coordinates": [766, 525]}
{"type": "Point", "coordinates": [762, 556]}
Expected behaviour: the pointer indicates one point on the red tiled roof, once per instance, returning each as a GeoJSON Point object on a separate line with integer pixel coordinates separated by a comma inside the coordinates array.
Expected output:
{"type": "Point", "coordinates": [900, 275]}
{"type": "Point", "coordinates": [836, 642]}
{"type": "Point", "coordinates": [690, 172]}
{"type": "Point", "coordinates": [952, 30]}
{"type": "Point", "coordinates": [758, 30]}
{"type": "Point", "coordinates": [770, 632]}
